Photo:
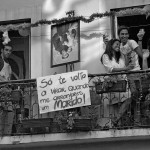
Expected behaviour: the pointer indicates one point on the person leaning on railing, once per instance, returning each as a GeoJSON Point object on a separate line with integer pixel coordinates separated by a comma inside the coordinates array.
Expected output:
{"type": "Point", "coordinates": [146, 52]}
{"type": "Point", "coordinates": [146, 66]}
{"type": "Point", "coordinates": [114, 61]}
{"type": "Point", "coordinates": [6, 109]}
{"type": "Point", "coordinates": [131, 50]}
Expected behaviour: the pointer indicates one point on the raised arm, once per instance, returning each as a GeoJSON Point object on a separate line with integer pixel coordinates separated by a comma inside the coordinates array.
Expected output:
{"type": "Point", "coordinates": [138, 50]}
{"type": "Point", "coordinates": [140, 36]}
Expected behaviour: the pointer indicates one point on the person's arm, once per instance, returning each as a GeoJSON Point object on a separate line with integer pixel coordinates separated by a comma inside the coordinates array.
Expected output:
{"type": "Point", "coordinates": [144, 60]}
{"type": "Point", "coordinates": [120, 69]}
{"type": "Point", "coordinates": [144, 65]}
{"type": "Point", "coordinates": [140, 44]}
{"type": "Point", "coordinates": [138, 50]}
{"type": "Point", "coordinates": [145, 56]}
{"type": "Point", "coordinates": [105, 38]}
{"type": "Point", "coordinates": [134, 46]}
{"type": "Point", "coordinates": [140, 36]}
{"type": "Point", "coordinates": [1, 67]}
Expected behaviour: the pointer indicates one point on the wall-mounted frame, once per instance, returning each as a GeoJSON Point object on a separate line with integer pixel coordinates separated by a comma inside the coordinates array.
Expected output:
{"type": "Point", "coordinates": [65, 43]}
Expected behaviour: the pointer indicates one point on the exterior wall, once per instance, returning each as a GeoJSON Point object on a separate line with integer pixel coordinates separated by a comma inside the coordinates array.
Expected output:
{"type": "Point", "coordinates": [91, 49]}
{"type": "Point", "coordinates": [81, 142]}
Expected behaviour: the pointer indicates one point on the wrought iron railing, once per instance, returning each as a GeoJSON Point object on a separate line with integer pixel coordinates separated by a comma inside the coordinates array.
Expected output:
{"type": "Point", "coordinates": [118, 101]}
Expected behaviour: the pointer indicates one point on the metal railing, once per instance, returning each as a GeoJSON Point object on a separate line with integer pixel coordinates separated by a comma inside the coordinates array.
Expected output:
{"type": "Point", "coordinates": [118, 101]}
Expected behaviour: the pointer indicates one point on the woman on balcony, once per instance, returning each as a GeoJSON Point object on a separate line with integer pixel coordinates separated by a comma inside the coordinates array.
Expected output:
{"type": "Point", "coordinates": [114, 61]}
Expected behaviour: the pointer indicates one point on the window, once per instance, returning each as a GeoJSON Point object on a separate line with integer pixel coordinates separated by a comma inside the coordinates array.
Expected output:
{"type": "Point", "coordinates": [135, 23]}
{"type": "Point", "coordinates": [20, 58]}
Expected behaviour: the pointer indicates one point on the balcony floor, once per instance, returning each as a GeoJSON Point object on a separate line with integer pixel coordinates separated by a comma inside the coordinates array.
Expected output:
{"type": "Point", "coordinates": [100, 135]}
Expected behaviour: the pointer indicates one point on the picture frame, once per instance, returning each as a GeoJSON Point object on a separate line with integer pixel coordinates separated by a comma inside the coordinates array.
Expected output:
{"type": "Point", "coordinates": [65, 43]}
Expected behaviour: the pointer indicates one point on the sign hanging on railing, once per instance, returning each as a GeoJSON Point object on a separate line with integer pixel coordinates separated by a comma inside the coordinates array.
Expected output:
{"type": "Point", "coordinates": [63, 91]}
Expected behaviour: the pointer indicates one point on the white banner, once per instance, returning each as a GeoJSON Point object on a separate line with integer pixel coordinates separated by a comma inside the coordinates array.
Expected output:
{"type": "Point", "coordinates": [63, 91]}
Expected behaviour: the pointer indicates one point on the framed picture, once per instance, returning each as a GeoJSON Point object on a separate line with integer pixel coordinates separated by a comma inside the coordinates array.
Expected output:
{"type": "Point", "coordinates": [65, 43]}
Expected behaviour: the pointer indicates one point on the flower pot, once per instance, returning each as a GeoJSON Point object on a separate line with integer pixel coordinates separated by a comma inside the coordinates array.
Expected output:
{"type": "Point", "coordinates": [119, 86]}
{"type": "Point", "coordinates": [37, 125]}
{"type": "Point", "coordinates": [143, 84]}
{"type": "Point", "coordinates": [82, 124]}
{"type": "Point", "coordinates": [78, 125]}
{"type": "Point", "coordinates": [16, 95]}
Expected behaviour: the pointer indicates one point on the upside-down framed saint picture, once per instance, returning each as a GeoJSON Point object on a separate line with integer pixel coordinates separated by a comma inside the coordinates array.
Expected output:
{"type": "Point", "coordinates": [65, 43]}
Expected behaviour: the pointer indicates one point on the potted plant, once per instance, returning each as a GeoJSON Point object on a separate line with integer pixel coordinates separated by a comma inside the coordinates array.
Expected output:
{"type": "Point", "coordinates": [110, 84]}
{"type": "Point", "coordinates": [74, 122]}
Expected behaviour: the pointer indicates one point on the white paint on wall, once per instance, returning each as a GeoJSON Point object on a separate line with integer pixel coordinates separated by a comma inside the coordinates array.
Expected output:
{"type": "Point", "coordinates": [91, 50]}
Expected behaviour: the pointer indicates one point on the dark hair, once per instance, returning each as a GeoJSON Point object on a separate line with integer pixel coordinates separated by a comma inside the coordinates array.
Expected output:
{"type": "Point", "coordinates": [109, 50]}
{"type": "Point", "coordinates": [122, 28]}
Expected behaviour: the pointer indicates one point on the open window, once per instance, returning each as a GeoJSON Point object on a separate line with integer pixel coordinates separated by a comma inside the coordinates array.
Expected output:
{"type": "Point", "coordinates": [134, 22]}
{"type": "Point", "coordinates": [20, 58]}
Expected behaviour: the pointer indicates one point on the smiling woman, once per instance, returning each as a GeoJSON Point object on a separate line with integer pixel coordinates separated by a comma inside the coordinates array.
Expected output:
{"type": "Point", "coordinates": [113, 60]}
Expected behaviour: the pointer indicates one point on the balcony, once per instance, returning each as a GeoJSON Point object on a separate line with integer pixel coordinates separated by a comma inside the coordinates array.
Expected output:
{"type": "Point", "coordinates": [120, 107]}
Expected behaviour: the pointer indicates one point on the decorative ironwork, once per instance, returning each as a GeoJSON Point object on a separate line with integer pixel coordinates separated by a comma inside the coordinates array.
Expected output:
{"type": "Point", "coordinates": [116, 110]}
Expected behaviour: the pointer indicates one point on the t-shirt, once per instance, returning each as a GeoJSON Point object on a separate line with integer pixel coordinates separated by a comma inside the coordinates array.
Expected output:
{"type": "Point", "coordinates": [129, 47]}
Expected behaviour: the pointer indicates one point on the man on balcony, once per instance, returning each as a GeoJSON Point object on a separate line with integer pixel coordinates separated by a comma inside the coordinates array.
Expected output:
{"type": "Point", "coordinates": [6, 108]}
{"type": "Point", "coordinates": [5, 68]}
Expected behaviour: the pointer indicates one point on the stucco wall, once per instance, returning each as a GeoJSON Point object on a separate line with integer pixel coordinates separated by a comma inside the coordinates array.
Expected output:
{"type": "Point", "coordinates": [91, 49]}
{"type": "Point", "coordinates": [115, 143]}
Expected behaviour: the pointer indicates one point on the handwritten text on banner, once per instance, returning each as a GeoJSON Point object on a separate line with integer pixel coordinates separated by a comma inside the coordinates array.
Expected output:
{"type": "Point", "coordinates": [63, 91]}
